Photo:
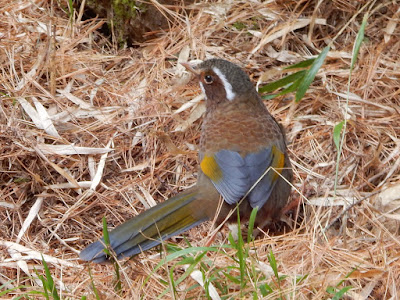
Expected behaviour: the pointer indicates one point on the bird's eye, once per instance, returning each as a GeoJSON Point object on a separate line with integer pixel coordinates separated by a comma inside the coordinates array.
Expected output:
{"type": "Point", "coordinates": [208, 79]}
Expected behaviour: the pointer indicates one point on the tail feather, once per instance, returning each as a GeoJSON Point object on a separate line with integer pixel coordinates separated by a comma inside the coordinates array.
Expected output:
{"type": "Point", "coordinates": [133, 247]}
{"type": "Point", "coordinates": [150, 228]}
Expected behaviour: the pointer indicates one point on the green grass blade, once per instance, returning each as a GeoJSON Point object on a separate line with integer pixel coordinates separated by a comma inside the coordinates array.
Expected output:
{"type": "Point", "coordinates": [339, 294]}
{"type": "Point", "coordinates": [252, 219]}
{"type": "Point", "coordinates": [96, 293]}
{"type": "Point", "coordinates": [272, 263]}
{"type": "Point", "coordinates": [269, 97]}
{"type": "Point", "coordinates": [300, 279]}
{"type": "Point", "coordinates": [232, 241]}
{"type": "Point", "coordinates": [105, 232]}
{"type": "Point", "coordinates": [232, 278]}
{"type": "Point", "coordinates": [336, 134]}
{"type": "Point", "coordinates": [302, 64]}
{"type": "Point", "coordinates": [45, 284]}
{"type": "Point", "coordinates": [359, 40]}
{"type": "Point", "coordinates": [265, 289]}
{"type": "Point", "coordinates": [71, 8]}
{"type": "Point", "coordinates": [50, 281]}
{"type": "Point", "coordinates": [183, 253]}
{"type": "Point", "coordinates": [7, 291]}
{"type": "Point", "coordinates": [291, 88]}
{"type": "Point", "coordinates": [174, 283]}
{"type": "Point", "coordinates": [191, 268]}
{"type": "Point", "coordinates": [310, 75]}
{"type": "Point", "coordinates": [282, 82]}
{"type": "Point", "coordinates": [240, 253]}
{"type": "Point", "coordinates": [356, 49]}
{"type": "Point", "coordinates": [106, 237]}
{"type": "Point", "coordinates": [118, 284]}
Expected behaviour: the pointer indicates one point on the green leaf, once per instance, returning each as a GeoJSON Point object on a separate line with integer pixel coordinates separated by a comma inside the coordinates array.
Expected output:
{"type": "Point", "coordinates": [252, 219]}
{"type": "Point", "coordinates": [186, 260]}
{"type": "Point", "coordinates": [187, 251]}
{"type": "Point", "coordinates": [233, 279]}
{"type": "Point", "coordinates": [265, 289]}
{"type": "Point", "coordinates": [269, 97]}
{"type": "Point", "coordinates": [7, 291]}
{"type": "Point", "coordinates": [359, 40]}
{"type": "Point", "coordinates": [174, 248]}
{"type": "Point", "coordinates": [188, 271]}
{"type": "Point", "coordinates": [95, 291]}
{"type": "Point", "coordinates": [239, 25]}
{"type": "Point", "coordinates": [44, 282]}
{"type": "Point", "coordinates": [338, 127]}
{"type": "Point", "coordinates": [117, 283]}
{"type": "Point", "coordinates": [255, 297]}
{"type": "Point", "coordinates": [272, 263]}
{"type": "Point", "coordinates": [283, 277]}
{"type": "Point", "coordinates": [336, 134]}
{"type": "Point", "coordinates": [105, 232]}
{"type": "Point", "coordinates": [282, 82]}
{"type": "Point", "coordinates": [172, 281]}
{"type": "Point", "coordinates": [300, 279]}
{"type": "Point", "coordinates": [241, 252]}
{"type": "Point", "coordinates": [232, 240]}
{"type": "Point", "coordinates": [106, 237]}
{"type": "Point", "coordinates": [330, 289]}
{"type": "Point", "coordinates": [291, 88]}
{"type": "Point", "coordinates": [302, 64]}
{"type": "Point", "coordinates": [50, 281]}
{"type": "Point", "coordinates": [310, 75]}
{"type": "Point", "coordinates": [339, 295]}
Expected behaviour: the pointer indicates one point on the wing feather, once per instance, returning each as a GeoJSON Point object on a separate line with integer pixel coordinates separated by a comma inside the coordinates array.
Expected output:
{"type": "Point", "coordinates": [234, 175]}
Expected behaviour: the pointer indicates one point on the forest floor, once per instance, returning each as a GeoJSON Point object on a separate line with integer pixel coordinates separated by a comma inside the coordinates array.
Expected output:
{"type": "Point", "coordinates": [89, 128]}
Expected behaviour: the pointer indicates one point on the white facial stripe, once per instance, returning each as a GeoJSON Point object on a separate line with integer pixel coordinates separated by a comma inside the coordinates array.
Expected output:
{"type": "Point", "coordinates": [228, 87]}
{"type": "Point", "coordinates": [203, 90]}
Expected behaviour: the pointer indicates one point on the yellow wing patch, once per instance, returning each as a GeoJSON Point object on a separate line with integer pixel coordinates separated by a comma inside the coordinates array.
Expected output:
{"type": "Point", "coordinates": [277, 163]}
{"type": "Point", "coordinates": [210, 167]}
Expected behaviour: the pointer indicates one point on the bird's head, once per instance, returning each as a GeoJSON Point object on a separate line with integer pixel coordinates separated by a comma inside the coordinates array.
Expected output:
{"type": "Point", "coordinates": [222, 81]}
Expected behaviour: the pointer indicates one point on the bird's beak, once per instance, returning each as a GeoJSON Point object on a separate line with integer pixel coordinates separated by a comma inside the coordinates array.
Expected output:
{"type": "Point", "coordinates": [190, 69]}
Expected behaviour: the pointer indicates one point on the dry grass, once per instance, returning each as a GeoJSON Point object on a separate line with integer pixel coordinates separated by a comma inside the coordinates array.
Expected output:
{"type": "Point", "coordinates": [64, 84]}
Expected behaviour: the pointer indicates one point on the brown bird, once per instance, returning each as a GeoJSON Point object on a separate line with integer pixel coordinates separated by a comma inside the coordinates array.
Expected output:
{"type": "Point", "coordinates": [241, 146]}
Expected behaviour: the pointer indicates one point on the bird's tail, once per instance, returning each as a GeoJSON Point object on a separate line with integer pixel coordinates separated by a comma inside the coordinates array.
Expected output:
{"type": "Point", "coordinates": [148, 229]}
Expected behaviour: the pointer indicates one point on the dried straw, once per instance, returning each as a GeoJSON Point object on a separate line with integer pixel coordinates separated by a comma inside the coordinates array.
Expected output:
{"type": "Point", "coordinates": [89, 130]}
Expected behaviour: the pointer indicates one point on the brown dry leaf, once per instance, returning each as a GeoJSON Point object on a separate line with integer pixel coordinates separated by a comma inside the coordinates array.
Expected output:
{"type": "Point", "coordinates": [391, 25]}
{"type": "Point", "coordinates": [283, 30]}
{"type": "Point", "coordinates": [71, 150]}
{"type": "Point", "coordinates": [195, 114]}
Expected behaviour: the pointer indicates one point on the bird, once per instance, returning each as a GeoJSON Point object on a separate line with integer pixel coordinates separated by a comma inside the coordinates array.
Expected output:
{"type": "Point", "coordinates": [243, 160]}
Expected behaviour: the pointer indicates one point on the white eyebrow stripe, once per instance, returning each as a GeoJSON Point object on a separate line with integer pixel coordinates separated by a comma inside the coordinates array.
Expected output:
{"type": "Point", "coordinates": [230, 94]}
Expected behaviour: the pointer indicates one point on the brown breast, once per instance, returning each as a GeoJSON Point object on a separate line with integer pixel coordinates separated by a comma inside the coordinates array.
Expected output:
{"type": "Point", "coordinates": [241, 127]}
